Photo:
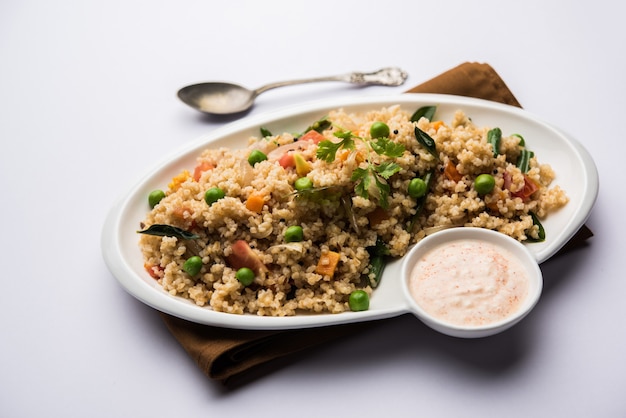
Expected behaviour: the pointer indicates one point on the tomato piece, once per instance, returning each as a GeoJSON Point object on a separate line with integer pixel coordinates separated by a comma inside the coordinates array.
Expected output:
{"type": "Point", "coordinates": [529, 188]}
{"type": "Point", "coordinates": [243, 256]}
{"type": "Point", "coordinates": [152, 270]}
{"type": "Point", "coordinates": [287, 160]}
{"type": "Point", "coordinates": [201, 168]}
{"type": "Point", "coordinates": [312, 135]}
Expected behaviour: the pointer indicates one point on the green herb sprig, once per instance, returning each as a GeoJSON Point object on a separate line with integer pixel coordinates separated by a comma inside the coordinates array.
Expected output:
{"type": "Point", "coordinates": [327, 150]}
{"type": "Point", "coordinates": [372, 175]}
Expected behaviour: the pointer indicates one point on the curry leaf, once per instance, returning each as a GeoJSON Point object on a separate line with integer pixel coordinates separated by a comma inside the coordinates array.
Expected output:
{"type": "Point", "coordinates": [162, 230]}
{"type": "Point", "coordinates": [427, 112]}
{"type": "Point", "coordinates": [426, 141]}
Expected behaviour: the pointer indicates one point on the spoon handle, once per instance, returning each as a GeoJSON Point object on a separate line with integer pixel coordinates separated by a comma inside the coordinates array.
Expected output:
{"type": "Point", "coordinates": [388, 76]}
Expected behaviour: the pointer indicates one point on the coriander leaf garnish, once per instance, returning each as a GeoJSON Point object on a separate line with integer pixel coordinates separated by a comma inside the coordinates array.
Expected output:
{"type": "Point", "coordinates": [384, 191]}
{"type": "Point", "coordinates": [345, 135]}
{"type": "Point", "coordinates": [371, 179]}
{"type": "Point", "coordinates": [378, 174]}
{"type": "Point", "coordinates": [362, 178]}
{"type": "Point", "coordinates": [327, 150]}
{"type": "Point", "coordinates": [385, 146]}
{"type": "Point", "coordinates": [387, 169]}
{"type": "Point", "coordinates": [319, 194]}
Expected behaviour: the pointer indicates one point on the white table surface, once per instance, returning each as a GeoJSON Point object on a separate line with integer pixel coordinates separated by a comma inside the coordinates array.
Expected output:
{"type": "Point", "coordinates": [87, 104]}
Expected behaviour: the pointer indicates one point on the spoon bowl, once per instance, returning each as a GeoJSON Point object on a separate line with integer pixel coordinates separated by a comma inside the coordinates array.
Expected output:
{"type": "Point", "coordinates": [217, 98]}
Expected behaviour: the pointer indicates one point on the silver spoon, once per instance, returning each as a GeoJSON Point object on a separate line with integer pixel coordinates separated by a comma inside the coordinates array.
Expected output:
{"type": "Point", "coordinates": [224, 98]}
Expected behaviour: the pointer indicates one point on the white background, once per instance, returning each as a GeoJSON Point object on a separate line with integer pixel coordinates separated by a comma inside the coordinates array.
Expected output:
{"type": "Point", "coordinates": [87, 104]}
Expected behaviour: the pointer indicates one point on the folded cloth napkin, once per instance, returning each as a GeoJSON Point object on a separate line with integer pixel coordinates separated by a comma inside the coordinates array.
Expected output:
{"type": "Point", "coordinates": [223, 353]}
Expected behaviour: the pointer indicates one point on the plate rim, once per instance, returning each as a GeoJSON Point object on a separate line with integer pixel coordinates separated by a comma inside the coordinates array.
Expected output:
{"type": "Point", "coordinates": [179, 307]}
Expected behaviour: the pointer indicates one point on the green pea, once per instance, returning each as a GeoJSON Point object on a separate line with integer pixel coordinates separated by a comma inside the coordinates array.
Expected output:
{"type": "Point", "coordinates": [359, 300]}
{"type": "Point", "coordinates": [256, 156]}
{"type": "Point", "coordinates": [484, 184]}
{"type": "Point", "coordinates": [379, 130]}
{"type": "Point", "coordinates": [213, 195]}
{"type": "Point", "coordinates": [303, 183]}
{"type": "Point", "coordinates": [245, 275]}
{"type": "Point", "coordinates": [193, 265]}
{"type": "Point", "coordinates": [417, 188]}
{"type": "Point", "coordinates": [155, 197]}
{"type": "Point", "coordinates": [294, 234]}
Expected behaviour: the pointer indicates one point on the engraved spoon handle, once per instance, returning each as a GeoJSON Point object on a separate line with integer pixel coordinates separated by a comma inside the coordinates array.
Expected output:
{"type": "Point", "coordinates": [388, 76]}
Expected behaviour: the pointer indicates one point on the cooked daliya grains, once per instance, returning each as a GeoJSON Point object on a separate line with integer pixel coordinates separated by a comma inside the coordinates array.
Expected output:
{"type": "Point", "coordinates": [308, 221]}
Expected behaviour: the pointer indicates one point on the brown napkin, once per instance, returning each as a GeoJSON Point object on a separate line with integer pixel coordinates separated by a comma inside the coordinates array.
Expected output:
{"type": "Point", "coordinates": [223, 353]}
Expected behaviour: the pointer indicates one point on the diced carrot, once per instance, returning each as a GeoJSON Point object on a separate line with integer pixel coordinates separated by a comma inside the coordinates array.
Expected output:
{"type": "Point", "coordinates": [312, 135]}
{"type": "Point", "coordinates": [342, 155]}
{"type": "Point", "coordinates": [255, 202]}
{"type": "Point", "coordinates": [178, 180]}
{"type": "Point", "coordinates": [201, 168]}
{"type": "Point", "coordinates": [327, 263]}
{"type": "Point", "coordinates": [436, 125]}
{"type": "Point", "coordinates": [451, 172]}
{"type": "Point", "coordinates": [377, 216]}
{"type": "Point", "coordinates": [183, 211]}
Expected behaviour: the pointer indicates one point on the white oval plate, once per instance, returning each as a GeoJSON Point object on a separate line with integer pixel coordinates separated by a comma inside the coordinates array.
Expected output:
{"type": "Point", "coordinates": [575, 169]}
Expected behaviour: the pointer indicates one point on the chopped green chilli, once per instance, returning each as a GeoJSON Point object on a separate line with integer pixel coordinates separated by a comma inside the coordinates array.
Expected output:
{"type": "Point", "coordinates": [319, 125]}
{"type": "Point", "coordinates": [265, 132]}
{"type": "Point", "coordinates": [494, 136]}
{"type": "Point", "coordinates": [523, 161]}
